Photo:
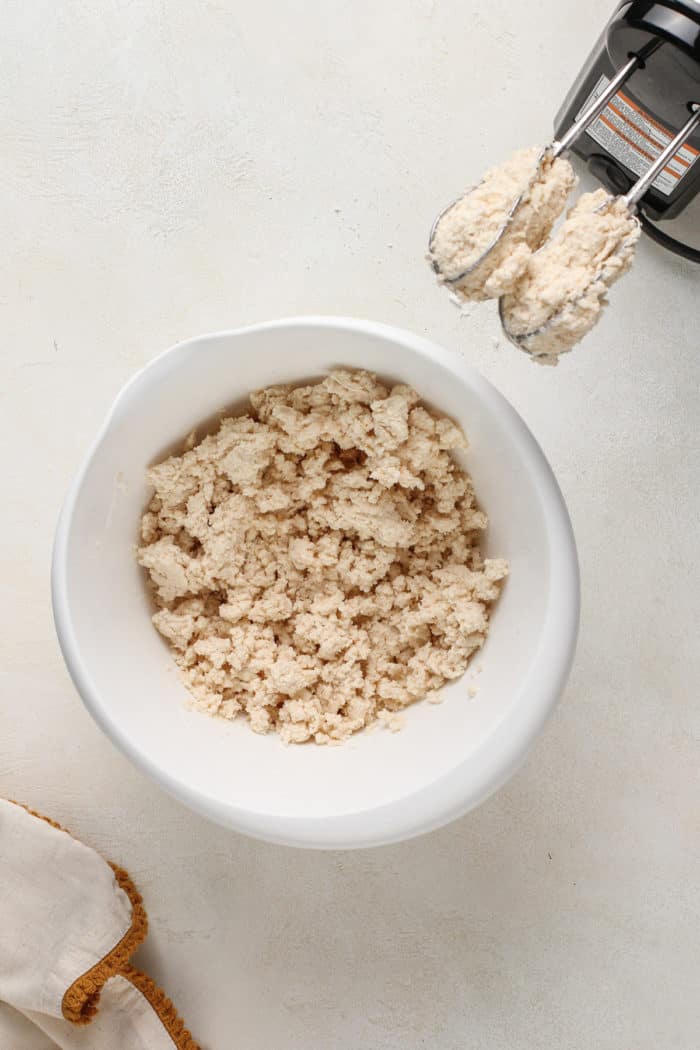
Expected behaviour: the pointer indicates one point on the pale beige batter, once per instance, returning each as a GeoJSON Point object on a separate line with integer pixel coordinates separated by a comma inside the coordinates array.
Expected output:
{"type": "Point", "coordinates": [561, 293]}
{"type": "Point", "coordinates": [469, 227]}
{"type": "Point", "coordinates": [316, 563]}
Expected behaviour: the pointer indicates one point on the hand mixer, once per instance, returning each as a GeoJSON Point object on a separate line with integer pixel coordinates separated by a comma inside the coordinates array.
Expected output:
{"type": "Point", "coordinates": [631, 199]}
{"type": "Point", "coordinates": [620, 133]}
{"type": "Point", "coordinates": [641, 120]}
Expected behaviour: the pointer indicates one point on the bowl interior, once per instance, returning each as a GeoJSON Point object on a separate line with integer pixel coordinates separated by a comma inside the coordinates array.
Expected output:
{"type": "Point", "coordinates": [124, 669]}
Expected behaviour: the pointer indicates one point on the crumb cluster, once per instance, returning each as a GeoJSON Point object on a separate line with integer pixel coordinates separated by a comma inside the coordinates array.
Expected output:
{"type": "Point", "coordinates": [561, 293]}
{"type": "Point", "coordinates": [473, 223]}
{"type": "Point", "coordinates": [552, 286]}
{"type": "Point", "coordinates": [316, 562]}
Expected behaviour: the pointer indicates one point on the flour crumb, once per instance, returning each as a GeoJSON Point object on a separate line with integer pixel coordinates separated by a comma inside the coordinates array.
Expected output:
{"type": "Point", "coordinates": [472, 691]}
{"type": "Point", "coordinates": [316, 563]}
{"type": "Point", "coordinates": [391, 720]}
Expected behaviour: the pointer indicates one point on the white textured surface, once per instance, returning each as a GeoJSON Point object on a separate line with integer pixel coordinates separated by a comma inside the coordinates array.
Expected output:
{"type": "Point", "coordinates": [173, 168]}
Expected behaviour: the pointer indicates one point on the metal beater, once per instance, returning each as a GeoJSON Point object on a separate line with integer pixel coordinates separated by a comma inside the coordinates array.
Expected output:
{"type": "Point", "coordinates": [631, 199]}
{"type": "Point", "coordinates": [553, 150]}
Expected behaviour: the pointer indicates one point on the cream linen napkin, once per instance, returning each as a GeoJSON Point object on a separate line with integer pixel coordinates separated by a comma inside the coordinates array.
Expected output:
{"type": "Point", "coordinates": [69, 924]}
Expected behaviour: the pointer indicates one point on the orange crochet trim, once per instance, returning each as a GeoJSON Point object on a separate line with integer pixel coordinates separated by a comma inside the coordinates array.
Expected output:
{"type": "Point", "coordinates": [79, 1003]}
{"type": "Point", "coordinates": [170, 1019]}
{"type": "Point", "coordinates": [47, 820]}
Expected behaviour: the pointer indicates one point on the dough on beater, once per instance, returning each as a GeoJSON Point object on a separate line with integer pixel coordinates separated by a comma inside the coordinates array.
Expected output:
{"type": "Point", "coordinates": [564, 286]}
{"type": "Point", "coordinates": [316, 563]}
{"type": "Point", "coordinates": [468, 227]}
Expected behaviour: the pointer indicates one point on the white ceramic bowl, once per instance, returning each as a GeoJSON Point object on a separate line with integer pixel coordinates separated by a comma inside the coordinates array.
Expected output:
{"type": "Point", "coordinates": [380, 786]}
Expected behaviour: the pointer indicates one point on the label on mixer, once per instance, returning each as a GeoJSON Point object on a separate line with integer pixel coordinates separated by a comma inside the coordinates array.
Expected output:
{"type": "Point", "coordinates": [633, 137]}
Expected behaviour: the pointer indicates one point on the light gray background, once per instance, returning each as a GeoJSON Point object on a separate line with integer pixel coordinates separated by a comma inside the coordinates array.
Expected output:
{"type": "Point", "coordinates": [172, 168]}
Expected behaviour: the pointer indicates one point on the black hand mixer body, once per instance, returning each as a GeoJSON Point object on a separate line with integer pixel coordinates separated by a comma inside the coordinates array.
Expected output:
{"type": "Point", "coordinates": [648, 110]}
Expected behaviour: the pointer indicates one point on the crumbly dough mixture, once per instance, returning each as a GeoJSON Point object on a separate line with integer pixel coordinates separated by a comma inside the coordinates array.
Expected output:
{"type": "Point", "coordinates": [468, 227]}
{"type": "Point", "coordinates": [316, 562]}
{"type": "Point", "coordinates": [564, 286]}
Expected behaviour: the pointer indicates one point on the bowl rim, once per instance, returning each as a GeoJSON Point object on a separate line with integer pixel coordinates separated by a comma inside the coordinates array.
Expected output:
{"type": "Point", "coordinates": [503, 750]}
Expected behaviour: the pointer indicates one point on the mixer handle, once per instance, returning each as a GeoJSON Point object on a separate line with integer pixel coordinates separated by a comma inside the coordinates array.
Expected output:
{"type": "Point", "coordinates": [671, 244]}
